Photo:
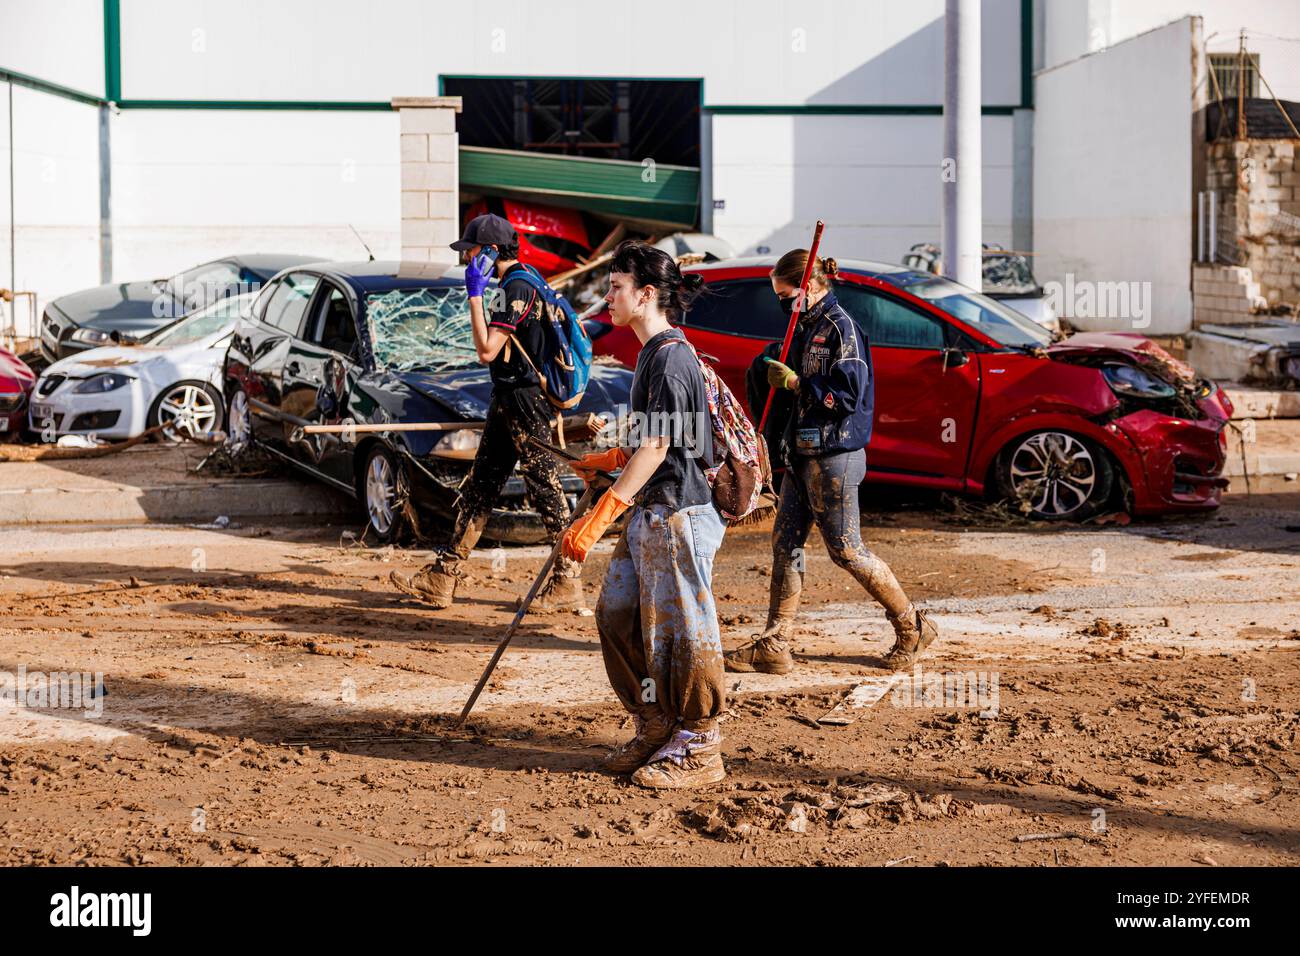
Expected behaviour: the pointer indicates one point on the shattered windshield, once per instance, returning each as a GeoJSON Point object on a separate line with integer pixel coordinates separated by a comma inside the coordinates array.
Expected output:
{"type": "Point", "coordinates": [421, 329]}
{"type": "Point", "coordinates": [204, 322]}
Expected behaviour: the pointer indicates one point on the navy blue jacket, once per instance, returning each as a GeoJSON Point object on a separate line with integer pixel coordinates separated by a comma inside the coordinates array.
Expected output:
{"type": "Point", "coordinates": [837, 384]}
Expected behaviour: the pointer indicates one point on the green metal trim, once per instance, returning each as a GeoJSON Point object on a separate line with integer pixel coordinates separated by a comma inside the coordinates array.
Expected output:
{"type": "Point", "coordinates": [112, 50]}
{"type": "Point", "coordinates": [862, 109]}
{"type": "Point", "coordinates": [54, 89]}
{"type": "Point", "coordinates": [358, 105]}
{"type": "Point", "coordinates": [1027, 54]}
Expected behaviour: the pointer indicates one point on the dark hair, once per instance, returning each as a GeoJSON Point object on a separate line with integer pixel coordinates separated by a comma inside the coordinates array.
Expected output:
{"type": "Point", "coordinates": [509, 252]}
{"type": "Point", "coordinates": [789, 269]}
{"type": "Point", "coordinates": [649, 266]}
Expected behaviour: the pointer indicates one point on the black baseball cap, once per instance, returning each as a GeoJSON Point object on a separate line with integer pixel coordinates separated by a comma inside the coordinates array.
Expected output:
{"type": "Point", "coordinates": [486, 230]}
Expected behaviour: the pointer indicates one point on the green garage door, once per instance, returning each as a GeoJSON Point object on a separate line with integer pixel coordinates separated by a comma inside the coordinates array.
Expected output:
{"type": "Point", "coordinates": [654, 196]}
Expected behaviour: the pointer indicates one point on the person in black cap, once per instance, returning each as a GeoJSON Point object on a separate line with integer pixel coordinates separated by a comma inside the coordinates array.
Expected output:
{"type": "Point", "coordinates": [508, 325]}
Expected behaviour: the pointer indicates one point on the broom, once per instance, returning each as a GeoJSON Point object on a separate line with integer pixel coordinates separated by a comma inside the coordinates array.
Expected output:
{"type": "Point", "coordinates": [765, 511]}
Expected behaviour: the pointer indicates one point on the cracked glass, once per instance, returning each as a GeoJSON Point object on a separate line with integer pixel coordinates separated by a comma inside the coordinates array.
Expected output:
{"type": "Point", "coordinates": [421, 329]}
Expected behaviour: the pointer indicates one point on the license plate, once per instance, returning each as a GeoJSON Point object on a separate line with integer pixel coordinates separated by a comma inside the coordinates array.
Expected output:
{"type": "Point", "coordinates": [4, 423]}
{"type": "Point", "coordinates": [40, 412]}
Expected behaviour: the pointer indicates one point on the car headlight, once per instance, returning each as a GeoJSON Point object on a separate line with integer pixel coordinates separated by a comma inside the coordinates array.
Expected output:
{"type": "Point", "coordinates": [463, 439]}
{"type": "Point", "coordinates": [1130, 381]}
{"type": "Point", "coordinates": [91, 336]}
{"type": "Point", "coordinates": [101, 383]}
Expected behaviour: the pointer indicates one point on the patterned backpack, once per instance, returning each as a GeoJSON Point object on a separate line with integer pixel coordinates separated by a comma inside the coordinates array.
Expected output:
{"type": "Point", "coordinates": [742, 468]}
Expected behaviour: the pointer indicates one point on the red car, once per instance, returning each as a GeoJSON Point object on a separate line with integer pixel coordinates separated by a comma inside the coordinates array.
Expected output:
{"type": "Point", "coordinates": [973, 397]}
{"type": "Point", "coordinates": [16, 383]}
{"type": "Point", "coordinates": [551, 239]}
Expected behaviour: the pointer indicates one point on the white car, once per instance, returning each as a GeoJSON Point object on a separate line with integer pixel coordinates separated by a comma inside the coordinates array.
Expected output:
{"type": "Point", "coordinates": [117, 392]}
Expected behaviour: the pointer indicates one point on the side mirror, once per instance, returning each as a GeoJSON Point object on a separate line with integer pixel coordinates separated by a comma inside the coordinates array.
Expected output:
{"type": "Point", "coordinates": [954, 358]}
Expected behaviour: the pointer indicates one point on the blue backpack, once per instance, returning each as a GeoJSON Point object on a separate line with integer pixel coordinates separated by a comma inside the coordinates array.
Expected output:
{"type": "Point", "coordinates": [566, 361]}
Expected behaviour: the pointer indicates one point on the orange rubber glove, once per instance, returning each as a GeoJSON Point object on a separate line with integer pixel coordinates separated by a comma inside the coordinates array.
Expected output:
{"type": "Point", "coordinates": [587, 530]}
{"type": "Point", "coordinates": [610, 460]}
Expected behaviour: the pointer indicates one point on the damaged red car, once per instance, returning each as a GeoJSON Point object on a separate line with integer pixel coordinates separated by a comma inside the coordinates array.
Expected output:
{"type": "Point", "coordinates": [972, 397]}
{"type": "Point", "coordinates": [16, 382]}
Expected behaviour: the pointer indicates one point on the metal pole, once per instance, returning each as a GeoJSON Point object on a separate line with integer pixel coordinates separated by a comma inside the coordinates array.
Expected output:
{"type": "Point", "coordinates": [105, 198]}
{"type": "Point", "coordinates": [1212, 240]}
{"type": "Point", "coordinates": [706, 171]}
{"type": "Point", "coordinates": [13, 218]}
{"type": "Point", "coordinates": [962, 193]}
{"type": "Point", "coordinates": [1200, 226]}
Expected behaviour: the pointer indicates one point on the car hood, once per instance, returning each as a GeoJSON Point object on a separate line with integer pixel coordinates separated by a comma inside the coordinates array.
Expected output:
{"type": "Point", "coordinates": [1128, 347]}
{"type": "Point", "coordinates": [467, 392]}
{"type": "Point", "coordinates": [125, 306]}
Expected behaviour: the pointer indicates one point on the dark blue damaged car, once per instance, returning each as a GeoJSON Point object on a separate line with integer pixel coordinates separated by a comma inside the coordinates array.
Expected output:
{"type": "Point", "coordinates": [369, 343]}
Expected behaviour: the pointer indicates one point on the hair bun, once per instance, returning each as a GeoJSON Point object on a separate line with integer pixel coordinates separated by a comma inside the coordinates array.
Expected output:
{"type": "Point", "coordinates": [692, 281]}
{"type": "Point", "coordinates": [830, 266]}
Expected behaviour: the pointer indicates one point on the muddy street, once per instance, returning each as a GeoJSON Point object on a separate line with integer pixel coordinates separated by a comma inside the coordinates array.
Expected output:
{"type": "Point", "coordinates": [267, 698]}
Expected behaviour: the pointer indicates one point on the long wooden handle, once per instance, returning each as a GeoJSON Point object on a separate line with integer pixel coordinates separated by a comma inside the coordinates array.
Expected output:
{"type": "Point", "coordinates": [794, 315]}
{"type": "Point", "coordinates": [583, 503]}
{"type": "Point", "coordinates": [393, 427]}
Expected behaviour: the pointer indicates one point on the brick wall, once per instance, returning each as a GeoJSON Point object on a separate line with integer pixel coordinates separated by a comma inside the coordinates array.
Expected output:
{"type": "Point", "coordinates": [1224, 295]}
{"type": "Point", "coordinates": [430, 176]}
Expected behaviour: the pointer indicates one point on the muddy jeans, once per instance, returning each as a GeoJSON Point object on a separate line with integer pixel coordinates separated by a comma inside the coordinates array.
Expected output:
{"type": "Point", "coordinates": [656, 617]}
{"type": "Point", "coordinates": [512, 416]}
{"type": "Point", "coordinates": [824, 490]}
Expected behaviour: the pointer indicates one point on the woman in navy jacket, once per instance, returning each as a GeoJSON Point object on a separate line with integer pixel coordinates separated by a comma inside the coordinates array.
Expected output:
{"type": "Point", "coordinates": [833, 388]}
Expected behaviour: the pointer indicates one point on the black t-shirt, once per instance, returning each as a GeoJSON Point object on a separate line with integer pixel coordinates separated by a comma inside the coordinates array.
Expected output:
{"type": "Point", "coordinates": [668, 399]}
{"type": "Point", "coordinates": [517, 308]}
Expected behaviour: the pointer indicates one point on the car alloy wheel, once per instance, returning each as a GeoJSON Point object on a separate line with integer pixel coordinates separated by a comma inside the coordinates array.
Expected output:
{"type": "Point", "coordinates": [189, 408]}
{"type": "Point", "coordinates": [383, 485]}
{"type": "Point", "coordinates": [239, 424]}
{"type": "Point", "coordinates": [1057, 475]}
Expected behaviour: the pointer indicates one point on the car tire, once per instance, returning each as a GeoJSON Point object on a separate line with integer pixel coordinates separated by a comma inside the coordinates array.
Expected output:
{"type": "Point", "coordinates": [239, 424]}
{"type": "Point", "coordinates": [381, 487]}
{"type": "Point", "coordinates": [1060, 476]}
{"type": "Point", "coordinates": [197, 402]}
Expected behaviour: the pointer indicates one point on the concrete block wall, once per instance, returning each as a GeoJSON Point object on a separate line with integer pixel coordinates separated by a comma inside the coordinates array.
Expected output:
{"type": "Point", "coordinates": [1258, 182]}
{"type": "Point", "coordinates": [430, 176]}
{"type": "Point", "coordinates": [1225, 295]}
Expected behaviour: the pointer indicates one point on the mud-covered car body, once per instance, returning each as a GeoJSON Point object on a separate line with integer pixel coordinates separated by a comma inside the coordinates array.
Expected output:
{"type": "Point", "coordinates": [381, 343]}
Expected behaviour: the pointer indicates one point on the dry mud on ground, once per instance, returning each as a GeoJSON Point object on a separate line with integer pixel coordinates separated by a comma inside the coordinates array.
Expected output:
{"type": "Point", "coordinates": [270, 700]}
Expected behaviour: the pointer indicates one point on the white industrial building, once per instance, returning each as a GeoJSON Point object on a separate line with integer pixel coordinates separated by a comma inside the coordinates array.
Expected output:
{"type": "Point", "coordinates": [140, 137]}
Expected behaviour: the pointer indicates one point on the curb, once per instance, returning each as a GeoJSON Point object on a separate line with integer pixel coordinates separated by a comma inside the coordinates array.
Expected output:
{"type": "Point", "coordinates": [200, 501]}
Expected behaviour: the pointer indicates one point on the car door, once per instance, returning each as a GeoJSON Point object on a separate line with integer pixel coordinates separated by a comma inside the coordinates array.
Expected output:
{"type": "Point", "coordinates": [282, 320]}
{"type": "Point", "coordinates": [318, 371]}
{"type": "Point", "coordinates": [927, 390]}
{"type": "Point", "coordinates": [730, 323]}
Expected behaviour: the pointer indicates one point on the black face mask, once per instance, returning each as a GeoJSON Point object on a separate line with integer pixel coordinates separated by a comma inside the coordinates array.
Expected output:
{"type": "Point", "coordinates": [787, 305]}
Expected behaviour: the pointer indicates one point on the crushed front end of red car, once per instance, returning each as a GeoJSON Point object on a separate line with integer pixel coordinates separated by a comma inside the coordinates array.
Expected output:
{"type": "Point", "coordinates": [16, 383]}
{"type": "Point", "coordinates": [1174, 420]}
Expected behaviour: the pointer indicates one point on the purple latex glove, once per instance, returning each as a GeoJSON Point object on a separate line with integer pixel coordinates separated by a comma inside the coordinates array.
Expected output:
{"type": "Point", "coordinates": [479, 272]}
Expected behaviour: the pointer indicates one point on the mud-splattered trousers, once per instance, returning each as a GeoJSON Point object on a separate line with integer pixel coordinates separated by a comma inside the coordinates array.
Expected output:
{"type": "Point", "coordinates": [824, 490]}
{"type": "Point", "coordinates": [657, 621]}
{"type": "Point", "coordinates": [513, 415]}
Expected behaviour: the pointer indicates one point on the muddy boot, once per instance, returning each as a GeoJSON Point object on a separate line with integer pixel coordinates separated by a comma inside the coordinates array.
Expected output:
{"type": "Point", "coordinates": [651, 734]}
{"type": "Point", "coordinates": [687, 760]}
{"type": "Point", "coordinates": [563, 592]}
{"type": "Point", "coordinates": [430, 584]}
{"type": "Point", "coordinates": [915, 633]}
{"type": "Point", "coordinates": [768, 653]}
